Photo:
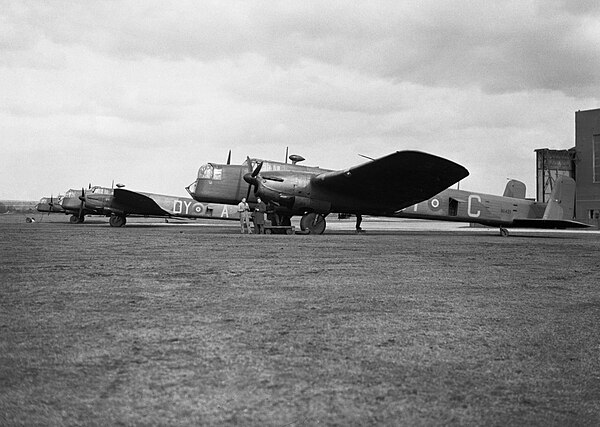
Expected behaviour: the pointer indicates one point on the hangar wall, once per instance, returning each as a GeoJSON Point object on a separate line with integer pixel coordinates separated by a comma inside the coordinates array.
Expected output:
{"type": "Point", "coordinates": [550, 164]}
{"type": "Point", "coordinates": [587, 145]}
{"type": "Point", "coordinates": [581, 162]}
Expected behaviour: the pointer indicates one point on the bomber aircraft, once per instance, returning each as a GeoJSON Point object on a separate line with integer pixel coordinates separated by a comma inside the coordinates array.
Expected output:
{"type": "Point", "coordinates": [73, 203]}
{"type": "Point", "coordinates": [49, 205]}
{"type": "Point", "coordinates": [380, 187]}
{"type": "Point", "coordinates": [119, 203]}
{"type": "Point", "coordinates": [511, 210]}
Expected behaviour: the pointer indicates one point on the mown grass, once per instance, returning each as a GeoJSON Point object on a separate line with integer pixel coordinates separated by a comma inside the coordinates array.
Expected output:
{"type": "Point", "coordinates": [197, 326]}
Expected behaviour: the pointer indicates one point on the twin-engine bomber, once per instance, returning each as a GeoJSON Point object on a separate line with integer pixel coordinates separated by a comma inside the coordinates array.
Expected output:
{"type": "Point", "coordinates": [379, 187]}
{"type": "Point", "coordinates": [119, 203]}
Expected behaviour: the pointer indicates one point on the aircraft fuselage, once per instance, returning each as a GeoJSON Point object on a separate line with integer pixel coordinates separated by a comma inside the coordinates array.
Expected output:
{"type": "Point", "coordinates": [466, 206]}
{"type": "Point", "coordinates": [293, 189]}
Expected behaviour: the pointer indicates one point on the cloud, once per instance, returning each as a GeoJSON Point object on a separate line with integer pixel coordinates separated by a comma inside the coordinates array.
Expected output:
{"type": "Point", "coordinates": [125, 90]}
{"type": "Point", "coordinates": [499, 47]}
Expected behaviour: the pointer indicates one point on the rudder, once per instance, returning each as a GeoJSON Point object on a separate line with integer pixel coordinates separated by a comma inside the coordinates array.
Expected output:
{"type": "Point", "coordinates": [562, 200]}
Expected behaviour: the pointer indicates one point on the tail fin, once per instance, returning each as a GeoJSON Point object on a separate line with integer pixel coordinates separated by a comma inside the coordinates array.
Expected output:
{"type": "Point", "coordinates": [562, 200]}
{"type": "Point", "coordinates": [515, 189]}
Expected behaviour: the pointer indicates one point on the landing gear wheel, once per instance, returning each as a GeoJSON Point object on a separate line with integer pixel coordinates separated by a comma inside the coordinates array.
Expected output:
{"type": "Point", "coordinates": [503, 232]}
{"type": "Point", "coordinates": [117, 221]}
{"type": "Point", "coordinates": [313, 222]}
{"type": "Point", "coordinates": [75, 219]}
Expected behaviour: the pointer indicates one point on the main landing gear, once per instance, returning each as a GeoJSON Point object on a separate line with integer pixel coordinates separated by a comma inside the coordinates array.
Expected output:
{"type": "Point", "coordinates": [117, 221]}
{"type": "Point", "coordinates": [503, 232]}
{"type": "Point", "coordinates": [312, 222]}
{"type": "Point", "coordinates": [76, 219]}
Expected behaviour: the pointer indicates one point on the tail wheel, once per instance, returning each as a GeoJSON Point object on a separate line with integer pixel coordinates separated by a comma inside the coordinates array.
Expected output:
{"type": "Point", "coordinates": [313, 223]}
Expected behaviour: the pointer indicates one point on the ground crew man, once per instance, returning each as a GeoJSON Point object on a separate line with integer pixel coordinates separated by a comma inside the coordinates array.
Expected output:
{"type": "Point", "coordinates": [259, 216]}
{"type": "Point", "coordinates": [244, 211]}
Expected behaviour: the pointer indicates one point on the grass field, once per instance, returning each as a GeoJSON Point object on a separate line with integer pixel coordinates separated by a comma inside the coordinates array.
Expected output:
{"type": "Point", "coordinates": [199, 325]}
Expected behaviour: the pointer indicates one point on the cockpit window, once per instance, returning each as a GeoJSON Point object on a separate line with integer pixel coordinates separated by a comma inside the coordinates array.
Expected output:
{"type": "Point", "coordinates": [101, 190]}
{"type": "Point", "coordinates": [267, 166]}
{"type": "Point", "coordinates": [210, 171]}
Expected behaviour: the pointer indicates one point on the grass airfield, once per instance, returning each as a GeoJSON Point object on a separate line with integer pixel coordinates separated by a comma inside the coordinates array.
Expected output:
{"type": "Point", "coordinates": [192, 323]}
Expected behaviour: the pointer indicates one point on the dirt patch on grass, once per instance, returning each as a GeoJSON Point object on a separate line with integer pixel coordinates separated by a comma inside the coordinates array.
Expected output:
{"type": "Point", "coordinates": [201, 325]}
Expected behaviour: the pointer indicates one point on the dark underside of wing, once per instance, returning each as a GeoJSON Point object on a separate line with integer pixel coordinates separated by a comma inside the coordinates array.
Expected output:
{"type": "Point", "coordinates": [395, 181]}
{"type": "Point", "coordinates": [547, 224]}
{"type": "Point", "coordinates": [132, 203]}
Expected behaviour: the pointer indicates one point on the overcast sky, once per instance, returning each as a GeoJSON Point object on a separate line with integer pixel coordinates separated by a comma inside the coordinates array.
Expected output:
{"type": "Point", "coordinates": [144, 92]}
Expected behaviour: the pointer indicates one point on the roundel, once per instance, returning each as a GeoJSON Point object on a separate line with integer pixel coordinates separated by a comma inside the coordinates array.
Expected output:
{"type": "Point", "coordinates": [198, 208]}
{"type": "Point", "coordinates": [434, 204]}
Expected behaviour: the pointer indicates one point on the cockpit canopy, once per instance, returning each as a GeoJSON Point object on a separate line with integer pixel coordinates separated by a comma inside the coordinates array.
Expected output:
{"type": "Point", "coordinates": [72, 193]}
{"type": "Point", "coordinates": [101, 190]}
{"type": "Point", "coordinates": [210, 171]}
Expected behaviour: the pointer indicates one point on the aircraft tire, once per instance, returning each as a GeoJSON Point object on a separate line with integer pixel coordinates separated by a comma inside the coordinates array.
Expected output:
{"type": "Point", "coordinates": [117, 221]}
{"type": "Point", "coordinates": [313, 223]}
{"type": "Point", "coordinates": [503, 232]}
{"type": "Point", "coordinates": [74, 219]}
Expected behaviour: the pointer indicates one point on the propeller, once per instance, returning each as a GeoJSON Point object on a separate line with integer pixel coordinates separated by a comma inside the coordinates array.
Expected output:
{"type": "Point", "coordinates": [250, 177]}
{"type": "Point", "coordinates": [229, 158]}
{"type": "Point", "coordinates": [51, 204]}
{"type": "Point", "coordinates": [82, 198]}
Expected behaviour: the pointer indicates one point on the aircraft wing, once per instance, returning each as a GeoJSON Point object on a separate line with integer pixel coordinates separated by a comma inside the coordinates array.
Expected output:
{"type": "Point", "coordinates": [398, 180]}
{"type": "Point", "coordinates": [547, 223]}
{"type": "Point", "coordinates": [133, 203]}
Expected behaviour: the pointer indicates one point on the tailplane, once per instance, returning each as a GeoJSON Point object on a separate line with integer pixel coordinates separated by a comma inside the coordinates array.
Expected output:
{"type": "Point", "coordinates": [559, 211]}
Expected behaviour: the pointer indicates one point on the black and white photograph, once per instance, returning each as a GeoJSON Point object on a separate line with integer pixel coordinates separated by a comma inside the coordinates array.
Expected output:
{"type": "Point", "coordinates": [283, 213]}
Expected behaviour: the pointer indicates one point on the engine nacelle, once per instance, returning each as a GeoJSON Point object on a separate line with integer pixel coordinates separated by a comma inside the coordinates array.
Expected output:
{"type": "Point", "coordinates": [307, 204]}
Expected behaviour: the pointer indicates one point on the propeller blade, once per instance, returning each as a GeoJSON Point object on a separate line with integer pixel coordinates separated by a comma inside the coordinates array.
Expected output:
{"type": "Point", "coordinates": [229, 158]}
{"type": "Point", "coordinates": [82, 198]}
{"type": "Point", "coordinates": [257, 170]}
{"type": "Point", "coordinates": [251, 179]}
{"type": "Point", "coordinates": [272, 178]}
